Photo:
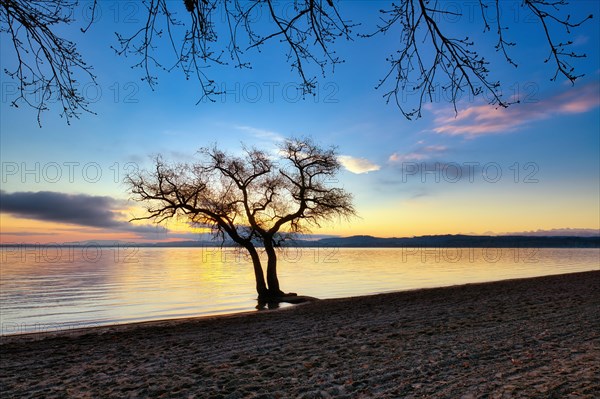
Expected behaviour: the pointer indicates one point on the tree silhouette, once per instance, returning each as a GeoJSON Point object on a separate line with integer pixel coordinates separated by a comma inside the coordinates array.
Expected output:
{"type": "Point", "coordinates": [251, 199]}
{"type": "Point", "coordinates": [431, 55]}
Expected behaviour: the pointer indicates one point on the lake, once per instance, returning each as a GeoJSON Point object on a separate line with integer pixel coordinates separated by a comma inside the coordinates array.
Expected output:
{"type": "Point", "coordinates": [54, 288]}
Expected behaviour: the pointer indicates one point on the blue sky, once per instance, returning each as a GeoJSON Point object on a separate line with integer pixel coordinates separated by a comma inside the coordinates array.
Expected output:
{"type": "Point", "coordinates": [533, 166]}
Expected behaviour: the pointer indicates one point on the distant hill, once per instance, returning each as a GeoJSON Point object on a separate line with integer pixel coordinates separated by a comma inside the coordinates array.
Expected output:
{"type": "Point", "coordinates": [457, 241]}
{"type": "Point", "coordinates": [433, 241]}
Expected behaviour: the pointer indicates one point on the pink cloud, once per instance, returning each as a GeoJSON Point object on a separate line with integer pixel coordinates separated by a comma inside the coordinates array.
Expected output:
{"type": "Point", "coordinates": [412, 156]}
{"type": "Point", "coordinates": [486, 119]}
{"type": "Point", "coordinates": [419, 154]}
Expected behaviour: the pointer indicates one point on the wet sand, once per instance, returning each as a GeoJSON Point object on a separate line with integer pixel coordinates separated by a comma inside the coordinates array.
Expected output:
{"type": "Point", "coordinates": [535, 337]}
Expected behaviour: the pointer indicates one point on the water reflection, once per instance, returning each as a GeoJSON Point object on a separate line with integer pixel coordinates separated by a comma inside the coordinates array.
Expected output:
{"type": "Point", "coordinates": [49, 291]}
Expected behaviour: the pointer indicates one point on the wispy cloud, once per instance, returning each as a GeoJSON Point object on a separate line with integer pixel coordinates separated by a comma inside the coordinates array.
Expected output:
{"type": "Point", "coordinates": [25, 233]}
{"type": "Point", "coordinates": [429, 163]}
{"type": "Point", "coordinates": [261, 133]}
{"type": "Point", "coordinates": [480, 120]}
{"type": "Point", "coordinates": [357, 165]}
{"type": "Point", "coordinates": [420, 154]}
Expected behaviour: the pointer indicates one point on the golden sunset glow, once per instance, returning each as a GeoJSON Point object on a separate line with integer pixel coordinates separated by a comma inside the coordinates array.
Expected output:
{"type": "Point", "coordinates": [299, 199]}
{"type": "Point", "coordinates": [461, 168]}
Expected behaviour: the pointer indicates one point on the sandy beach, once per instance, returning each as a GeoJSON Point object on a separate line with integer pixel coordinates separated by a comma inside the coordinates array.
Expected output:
{"type": "Point", "coordinates": [535, 337]}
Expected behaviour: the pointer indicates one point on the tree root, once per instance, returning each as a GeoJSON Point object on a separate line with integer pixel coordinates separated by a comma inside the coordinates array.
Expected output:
{"type": "Point", "coordinates": [272, 301]}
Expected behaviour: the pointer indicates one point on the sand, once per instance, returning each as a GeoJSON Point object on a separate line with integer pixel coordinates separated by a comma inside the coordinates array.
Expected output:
{"type": "Point", "coordinates": [521, 338]}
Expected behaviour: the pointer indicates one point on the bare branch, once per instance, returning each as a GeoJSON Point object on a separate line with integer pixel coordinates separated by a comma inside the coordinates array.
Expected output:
{"type": "Point", "coordinates": [314, 22]}
{"type": "Point", "coordinates": [543, 10]}
{"type": "Point", "coordinates": [47, 64]}
{"type": "Point", "coordinates": [246, 197]}
{"type": "Point", "coordinates": [430, 60]}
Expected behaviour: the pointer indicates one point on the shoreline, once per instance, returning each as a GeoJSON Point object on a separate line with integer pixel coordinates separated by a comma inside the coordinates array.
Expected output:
{"type": "Point", "coordinates": [118, 327]}
{"type": "Point", "coordinates": [520, 337]}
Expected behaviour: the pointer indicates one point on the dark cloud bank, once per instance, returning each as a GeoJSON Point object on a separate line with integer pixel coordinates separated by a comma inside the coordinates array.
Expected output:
{"type": "Point", "coordinates": [79, 209]}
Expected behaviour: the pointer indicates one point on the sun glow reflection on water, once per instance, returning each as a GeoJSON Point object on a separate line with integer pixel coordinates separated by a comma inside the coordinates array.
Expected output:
{"type": "Point", "coordinates": [69, 288]}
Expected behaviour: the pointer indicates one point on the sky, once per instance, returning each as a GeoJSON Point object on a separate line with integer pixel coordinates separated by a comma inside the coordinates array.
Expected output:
{"type": "Point", "coordinates": [530, 168]}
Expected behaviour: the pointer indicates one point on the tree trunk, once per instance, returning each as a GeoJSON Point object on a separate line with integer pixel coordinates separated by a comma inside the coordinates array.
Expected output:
{"type": "Point", "coordinates": [261, 286]}
{"type": "Point", "coordinates": [272, 279]}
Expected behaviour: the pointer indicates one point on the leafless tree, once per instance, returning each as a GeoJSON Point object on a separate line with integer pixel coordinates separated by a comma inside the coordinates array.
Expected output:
{"type": "Point", "coordinates": [251, 199]}
{"type": "Point", "coordinates": [431, 56]}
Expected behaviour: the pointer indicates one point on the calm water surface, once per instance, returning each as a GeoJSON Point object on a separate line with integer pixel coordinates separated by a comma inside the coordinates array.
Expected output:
{"type": "Point", "coordinates": [46, 289]}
